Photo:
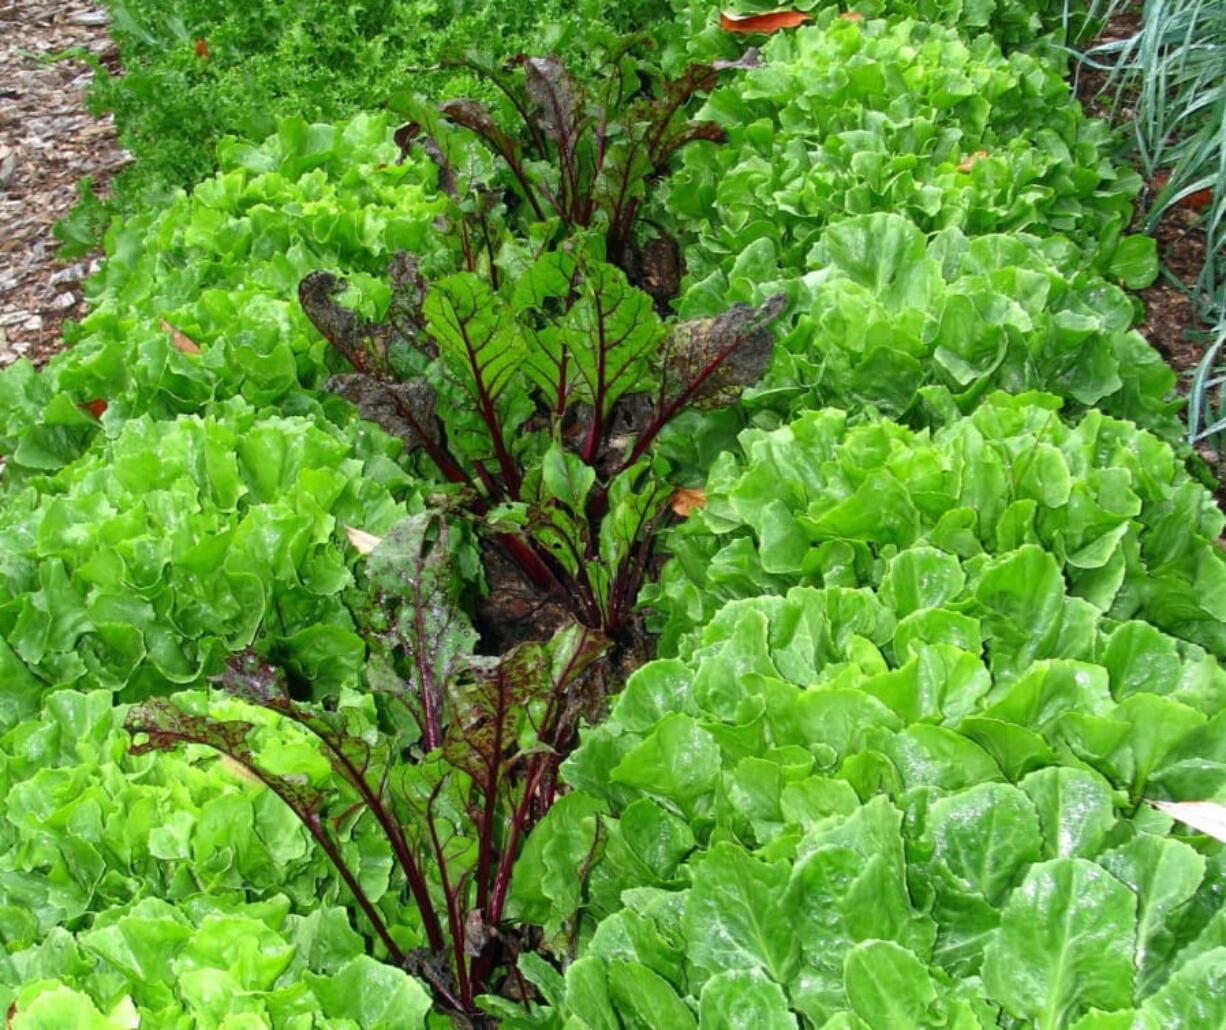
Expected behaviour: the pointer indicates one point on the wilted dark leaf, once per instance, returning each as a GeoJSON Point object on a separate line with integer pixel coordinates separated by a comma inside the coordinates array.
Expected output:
{"type": "Point", "coordinates": [710, 360]}
{"type": "Point", "coordinates": [556, 97]}
{"type": "Point", "coordinates": [690, 132]}
{"type": "Point", "coordinates": [365, 344]}
{"type": "Point", "coordinates": [470, 114]}
{"type": "Point", "coordinates": [485, 714]}
{"type": "Point", "coordinates": [702, 78]}
{"type": "Point", "coordinates": [661, 268]}
{"type": "Point", "coordinates": [404, 317]}
{"type": "Point", "coordinates": [404, 137]}
{"type": "Point", "coordinates": [430, 633]}
{"type": "Point", "coordinates": [666, 133]}
{"type": "Point", "coordinates": [411, 133]}
{"type": "Point", "coordinates": [168, 727]}
{"type": "Point", "coordinates": [254, 679]}
{"type": "Point", "coordinates": [404, 410]}
{"type": "Point", "coordinates": [356, 338]}
{"type": "Point", "coordinates": [484, 730]}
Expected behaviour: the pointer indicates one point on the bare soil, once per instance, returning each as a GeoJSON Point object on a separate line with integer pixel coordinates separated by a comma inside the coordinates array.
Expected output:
{"type": "Point", "coordinates": [48, 142]}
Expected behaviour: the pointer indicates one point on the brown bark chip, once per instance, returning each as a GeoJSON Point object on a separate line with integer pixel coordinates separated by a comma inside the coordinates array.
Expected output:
{"type": "Point", "coordinates": [48, 143]}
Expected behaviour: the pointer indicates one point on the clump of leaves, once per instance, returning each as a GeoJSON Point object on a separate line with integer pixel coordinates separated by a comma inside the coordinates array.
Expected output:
{"type": "Point", "coordinates": [537, 378]}
{"type": "Point", "coordinates": [540, 400]}
{"type": "Point", "coordinates": [460, 762]}
{"type": "Point", "coordinates": [584, 154]}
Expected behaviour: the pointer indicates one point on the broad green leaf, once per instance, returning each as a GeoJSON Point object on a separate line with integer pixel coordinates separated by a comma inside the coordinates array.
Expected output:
{"type": "Point", "coordinates": [678, 763]}
{"type": "Point", "coordinates": [1135, 261]}
{"type": "Point", "coordinates": [1075, 810]}
{"type": "Point", "coordinates": [644, 1000]}
{"type": "Point", "coordinates": [1065, 944]}
{"type": "Point", "coordinates": [475, 334]}
{"type": "Point", "coordinates": [985, 836]}
{"type": "Point", "coordinates": [373, 995]}
{"type": "Point", "coordinates": [887, 985]}
{"type": "Point", "coordinates": [743, 998]}
{"type": "Point", "coordinates": [1164, 873]}
{"type": "Point", "coordinates": [1194, 997]}
{"type": "Point", "coordinates": [735, 918]}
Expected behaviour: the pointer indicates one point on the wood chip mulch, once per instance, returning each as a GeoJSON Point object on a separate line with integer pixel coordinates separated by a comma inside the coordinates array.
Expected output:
{"type": "Point", "coordinates": [48, 142]}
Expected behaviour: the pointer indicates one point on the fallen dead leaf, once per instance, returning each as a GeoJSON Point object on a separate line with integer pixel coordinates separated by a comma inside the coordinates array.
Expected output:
{"type": "Point", "coordinates": [686, 498]}
{"type": "Point", "coordinates": [362, 541]}
{"type": "Point", "coordinates": [772, 22]}
{"type": "Point", "coordinates": [1206, 816]}
{"type": "Point", "coordinates": [183, 343]}
{"type": "Point", "coordinates": [851, 16]}
{"type": "Point", "coordinates": [1197, 201]}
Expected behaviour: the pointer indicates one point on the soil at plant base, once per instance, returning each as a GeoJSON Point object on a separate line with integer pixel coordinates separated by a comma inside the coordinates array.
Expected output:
{"type": "Point", "coordinates": [1170, 315]}
{"type": "Point", "coordinates": [48, 143]}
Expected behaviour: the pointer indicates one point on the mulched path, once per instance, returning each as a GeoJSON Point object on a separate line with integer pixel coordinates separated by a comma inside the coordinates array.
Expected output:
{"type": "Point", "coordinates": [48, 142]}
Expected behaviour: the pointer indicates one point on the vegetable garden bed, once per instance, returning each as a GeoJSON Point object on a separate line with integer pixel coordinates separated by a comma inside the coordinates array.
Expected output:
{"type": "Point", "coordinates": [689, 537]}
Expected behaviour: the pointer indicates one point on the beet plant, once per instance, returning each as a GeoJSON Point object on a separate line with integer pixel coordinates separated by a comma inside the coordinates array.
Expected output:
{"type": "Point", "coordinates": [534, 381]}
{"type": "Point", "coordinates": [537, 378]}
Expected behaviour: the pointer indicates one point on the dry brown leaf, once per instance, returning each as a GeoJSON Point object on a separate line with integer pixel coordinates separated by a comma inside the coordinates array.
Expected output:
{"type": "Point", "coordinates": [1197, 201]}
{"type": "Point", "coordinates": [184, 344]}
{"type": "Point", "coordinates": [851, 16]}
{"type": "Point", "coordinates": [1206, 816]}
{"type": "Point", "coordinates": [967, 163]}
{"type": "Point", "coordinates": [362, 541]}
{"type": "Point", "coordinates": [772, 22]}
{"type": "Point", "coordinates": [202, 49]}
{"type": "Point", "coordinates": [686, 498]}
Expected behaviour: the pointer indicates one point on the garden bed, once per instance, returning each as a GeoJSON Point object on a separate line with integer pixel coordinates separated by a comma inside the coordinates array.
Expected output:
{"type": "Point", "coordinates": [688, 540]}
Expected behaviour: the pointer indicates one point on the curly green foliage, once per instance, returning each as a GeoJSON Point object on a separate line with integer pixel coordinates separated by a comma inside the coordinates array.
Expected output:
{"type": "Point", "coordinates": [221, 265]}
{"type": "Point", "coordinates": [176, 889]}
{"type": "Point", "coordinates": [887, 315]}
{"type": "Point", "coordinates": [195, 72]}
{"type": "Point", "coordinates": [850, 117]}
{"type": "Point", "coordinates": [819, 502]}
{"type": "Point", "coordinates": [833, 809]}
{"type": "Point", "coordinates": [139, 567]}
